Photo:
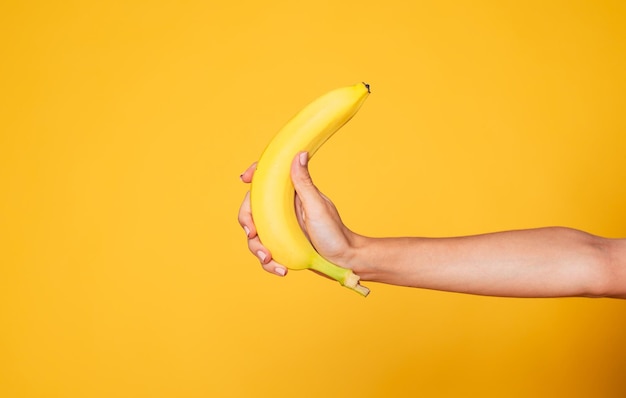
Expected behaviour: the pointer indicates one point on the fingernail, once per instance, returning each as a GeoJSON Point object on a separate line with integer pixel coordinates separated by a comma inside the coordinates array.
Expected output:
{"type": "Point", "coordinates": [304, 158]}
{"type": "Point", "coordinates": [247, 231]}
{"type": "Point", "coordinates": [261, 255]}
{"type": "Point", "coordinates": [280, 271]}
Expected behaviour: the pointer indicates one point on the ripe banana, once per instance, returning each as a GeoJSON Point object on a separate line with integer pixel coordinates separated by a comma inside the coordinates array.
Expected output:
{"type": "Point", "coordinates": [272, 193]}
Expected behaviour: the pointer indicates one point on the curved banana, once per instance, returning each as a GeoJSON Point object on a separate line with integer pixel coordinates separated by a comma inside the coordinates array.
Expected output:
{"type": "Point", "coordinates": [272, 192]}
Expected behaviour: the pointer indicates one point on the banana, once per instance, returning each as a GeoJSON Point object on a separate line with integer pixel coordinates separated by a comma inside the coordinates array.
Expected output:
{"type": "Point", "coordinates": [272, 193]}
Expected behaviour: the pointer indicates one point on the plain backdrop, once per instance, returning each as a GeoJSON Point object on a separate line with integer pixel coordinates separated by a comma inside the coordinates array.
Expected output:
{"type": "Point", "coordinates": [124, 126]}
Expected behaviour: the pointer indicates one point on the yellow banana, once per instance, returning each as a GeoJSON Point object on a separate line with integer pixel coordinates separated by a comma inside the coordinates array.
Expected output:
{"type": "Point", "coordinates": [272, 192]}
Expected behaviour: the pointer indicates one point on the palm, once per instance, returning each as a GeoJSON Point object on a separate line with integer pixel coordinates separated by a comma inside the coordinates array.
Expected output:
{"type": "Point", "coordinates": [321, 223]}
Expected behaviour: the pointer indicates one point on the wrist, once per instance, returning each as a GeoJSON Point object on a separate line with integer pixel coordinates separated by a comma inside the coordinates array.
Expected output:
{"type": "Point", "coordinates": [361, 257]}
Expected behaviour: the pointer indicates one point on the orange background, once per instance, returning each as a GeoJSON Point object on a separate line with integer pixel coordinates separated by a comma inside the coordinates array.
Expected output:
{"type": "Point", "coordinates": [124, 127]}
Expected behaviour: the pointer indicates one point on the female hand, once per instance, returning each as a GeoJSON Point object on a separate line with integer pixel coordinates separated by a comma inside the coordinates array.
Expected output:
{"type": "Point", "coordinates": [317, 215]}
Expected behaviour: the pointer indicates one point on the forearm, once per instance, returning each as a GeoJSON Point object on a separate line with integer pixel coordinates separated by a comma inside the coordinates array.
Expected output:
{"type": "Point", "coordinates": [544, 262]}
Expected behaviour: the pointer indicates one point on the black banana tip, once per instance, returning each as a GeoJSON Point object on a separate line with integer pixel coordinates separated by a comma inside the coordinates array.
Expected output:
{"type": "Point", "coordinates": [367, 86]}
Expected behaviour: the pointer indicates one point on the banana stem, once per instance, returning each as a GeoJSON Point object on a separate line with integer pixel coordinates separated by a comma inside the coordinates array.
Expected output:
{"type": "Point", "coordinates": [344, 276]}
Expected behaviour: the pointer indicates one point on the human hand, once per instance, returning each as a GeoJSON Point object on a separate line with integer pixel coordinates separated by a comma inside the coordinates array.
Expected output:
{"type": "Point", "coordinates": [317, 215]}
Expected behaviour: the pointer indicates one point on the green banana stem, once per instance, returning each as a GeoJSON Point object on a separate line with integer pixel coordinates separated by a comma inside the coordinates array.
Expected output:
{"type": "Point", "coordinates": [344, 276]}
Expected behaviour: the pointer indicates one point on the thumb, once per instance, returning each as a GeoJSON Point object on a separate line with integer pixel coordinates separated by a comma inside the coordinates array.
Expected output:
{"type": "Point", "coordinates": [302, 182]}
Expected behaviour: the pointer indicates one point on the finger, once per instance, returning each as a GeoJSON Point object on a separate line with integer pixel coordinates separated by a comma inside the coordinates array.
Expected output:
{"type": "Point", "coordinates": [255, 246]}
{"type": "Point", "coordinates": [301, 178]}
{"type": "Point", "coordinates": [265, 257]}
{"type": "Point", "coordinates": [274, 268]}
{"type": "Point", "coordinates": [246, 176]}
{"type": "Point", "coordinates": [300, 215]}
{"type": "Point", "coordinates": [245, 217]}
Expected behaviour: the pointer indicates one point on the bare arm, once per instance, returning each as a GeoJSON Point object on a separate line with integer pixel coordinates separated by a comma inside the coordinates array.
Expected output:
{"type": "Point", "coordinates": [543, 262]}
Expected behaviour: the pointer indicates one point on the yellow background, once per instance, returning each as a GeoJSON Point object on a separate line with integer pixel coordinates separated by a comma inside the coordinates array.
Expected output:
{"type": "Point", "coordinates": [124, 128]}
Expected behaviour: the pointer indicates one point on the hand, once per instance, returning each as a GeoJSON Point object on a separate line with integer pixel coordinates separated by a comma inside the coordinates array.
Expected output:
{"type": "Point", "coordinates": [317, 215]}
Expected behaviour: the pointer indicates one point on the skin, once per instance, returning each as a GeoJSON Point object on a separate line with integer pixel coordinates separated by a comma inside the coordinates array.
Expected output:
{"type": "Point", "coordinates": [541, 262]}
